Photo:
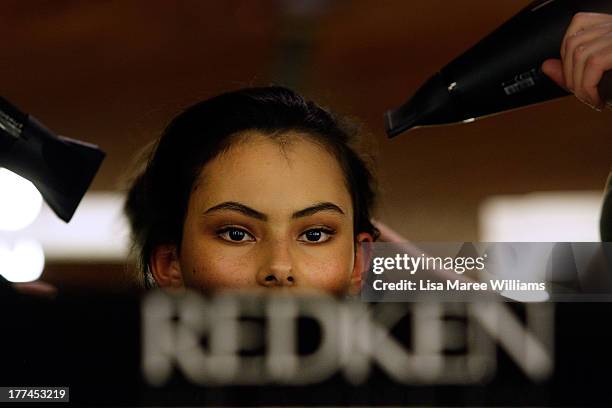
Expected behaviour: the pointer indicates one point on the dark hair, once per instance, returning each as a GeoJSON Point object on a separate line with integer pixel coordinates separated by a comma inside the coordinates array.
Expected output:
{"type": "Point", "coordinates": [157, 200]}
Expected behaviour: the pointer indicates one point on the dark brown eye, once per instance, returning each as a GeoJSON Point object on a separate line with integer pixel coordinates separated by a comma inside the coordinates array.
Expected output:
{"type": "Point", "coordinates": [313, 235]}
{"type": "Point", "coordinates": [235, 235]}
{"type": "Point", "coordinates": [316, 235]}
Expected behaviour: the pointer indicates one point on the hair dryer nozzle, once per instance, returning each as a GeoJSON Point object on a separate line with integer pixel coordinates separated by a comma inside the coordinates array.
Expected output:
{"type": "Point", "coordinates": [73, 165]}
{"type": "Point", "coordinates": [61, 169]}
{"type": "Point", "coordinates": [431, 105]}
{"type": "Point", "coordinates": [501, 72]}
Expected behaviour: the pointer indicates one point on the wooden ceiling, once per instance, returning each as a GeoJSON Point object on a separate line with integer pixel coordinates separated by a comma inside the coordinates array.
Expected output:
{"type": "Point", "coordinates": [114, 72]}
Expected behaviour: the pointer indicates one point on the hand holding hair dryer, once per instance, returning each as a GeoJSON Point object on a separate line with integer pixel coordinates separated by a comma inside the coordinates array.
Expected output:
{"type": "Point", "coordinates": [499, 73]}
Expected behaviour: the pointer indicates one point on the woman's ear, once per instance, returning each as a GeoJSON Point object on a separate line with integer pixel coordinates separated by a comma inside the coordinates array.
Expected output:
{"type": "Point", "coordinates": [363, 256]}
{"type": "Point", "coordinates": [165, 267]}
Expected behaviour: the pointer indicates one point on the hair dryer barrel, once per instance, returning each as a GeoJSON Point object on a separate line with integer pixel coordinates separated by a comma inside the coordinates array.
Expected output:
{"type": "Point", "coordinates": [499, 73]}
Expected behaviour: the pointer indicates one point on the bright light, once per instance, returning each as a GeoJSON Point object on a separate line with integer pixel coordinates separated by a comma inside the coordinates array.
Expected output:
{"type": "Point", "coordinates": [22, 262]}
{"type": "Point", "coordinates": [571, 216]}
{"type": "Point", "coordinates": [98, 231]}
{"type": "Point", "coordinates": [526, 295]}
{"type": "Point", "coordinates": [20, 201]}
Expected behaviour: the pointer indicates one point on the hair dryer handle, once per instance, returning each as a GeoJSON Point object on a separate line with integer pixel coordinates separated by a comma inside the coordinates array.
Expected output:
{"type": "Point", "coordinates": [605, 87]}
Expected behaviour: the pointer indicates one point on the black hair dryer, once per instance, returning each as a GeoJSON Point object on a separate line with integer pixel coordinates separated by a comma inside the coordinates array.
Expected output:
{"type": "Point", "coordinates": [61, 169]}
{"type": "Point", "coordinates": [499, 73]}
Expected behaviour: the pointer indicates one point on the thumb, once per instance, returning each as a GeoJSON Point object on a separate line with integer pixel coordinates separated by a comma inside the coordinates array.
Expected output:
{"type": "Point", "coordinates": [554, 70]}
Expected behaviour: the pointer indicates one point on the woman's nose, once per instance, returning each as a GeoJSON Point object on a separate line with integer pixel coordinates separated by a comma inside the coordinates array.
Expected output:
{"type": "Point", "coordinates": [278, 270]}
{"type": "Point", "coordinates": [277, 278]}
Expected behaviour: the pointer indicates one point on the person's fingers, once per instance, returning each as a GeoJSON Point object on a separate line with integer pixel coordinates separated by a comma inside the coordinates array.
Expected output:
{"type": "Point", "coordinates": [553, 68]}
{"type": "Point", "coordinates": [591, 58]}
{"type": "Point", "coordinates": [580, 22]}
{"type": "Point", "coordinates": [595, 66]}
{"type": "Point", "coordinates": [585, 45]}
{"type": "Point", "coordinates": [387, 234]}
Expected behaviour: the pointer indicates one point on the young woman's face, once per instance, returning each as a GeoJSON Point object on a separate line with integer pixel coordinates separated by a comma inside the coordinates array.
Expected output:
{"type": "Point", "coordinates": [267, 214]}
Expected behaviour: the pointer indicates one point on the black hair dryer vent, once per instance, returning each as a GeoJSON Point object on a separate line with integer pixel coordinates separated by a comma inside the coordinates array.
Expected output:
{"type": "Point", "coordinates": [499, 73]}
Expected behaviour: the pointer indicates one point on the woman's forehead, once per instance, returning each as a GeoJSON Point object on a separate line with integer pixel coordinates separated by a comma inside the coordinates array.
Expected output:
{"type": "Point", "coordinates": [287, 172]}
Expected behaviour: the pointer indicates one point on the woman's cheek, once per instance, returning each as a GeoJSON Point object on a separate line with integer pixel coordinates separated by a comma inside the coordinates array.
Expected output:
{"type": "Point", "coordinates": [329, 271]}
{"type": "Point", "coordinates": [329, 279]}
{"type": "Point", "coordinates": [211, 267]}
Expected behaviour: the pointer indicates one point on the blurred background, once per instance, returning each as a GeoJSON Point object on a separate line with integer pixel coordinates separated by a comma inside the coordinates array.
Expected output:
{"type": "Point", "coordinates": [114, 72]}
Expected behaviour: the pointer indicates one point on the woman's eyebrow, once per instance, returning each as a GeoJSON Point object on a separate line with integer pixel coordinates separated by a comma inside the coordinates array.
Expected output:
{"type": "Point", "coordinates": [241, 208]}
{"type": "Point", "coordinates": [249, 212]}
{"type": "Point", "coordinates": [325, 206]}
